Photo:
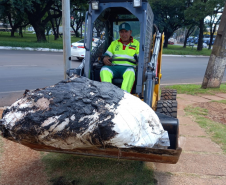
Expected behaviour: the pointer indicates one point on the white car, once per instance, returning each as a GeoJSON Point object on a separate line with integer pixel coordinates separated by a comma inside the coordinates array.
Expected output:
{"type": "Point", "coordinates": [204, 45]}
{"type": "Point", "coordinates": [78, 51]}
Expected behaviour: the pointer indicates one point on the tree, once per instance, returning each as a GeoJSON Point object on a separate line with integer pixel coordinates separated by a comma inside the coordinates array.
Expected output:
{"type": "Point", "coordinates": [77, 18]}
{"type": "Point", "coordinates": [201, 9]}
{"type": "Point", "coordinates": [213, 22]}
{"type": "Point", "coordinates": [54, 20]}
{"type": "Point", "coordinates": [191, 29]}
{"type": "Point", "coordinates": [169, 16]}
{"type": "Point", "coordinates": [36, 11]}
{"type": "Point", "coordinates": [78, 8]}
{"type": "Point", "coordinates": [13, 16]}
{"type": "Point", "coordinates": [217, 62]}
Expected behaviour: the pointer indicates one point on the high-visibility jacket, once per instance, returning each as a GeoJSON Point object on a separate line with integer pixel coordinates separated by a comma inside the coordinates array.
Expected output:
{"type": "Point", "coordinates": [118, 50]}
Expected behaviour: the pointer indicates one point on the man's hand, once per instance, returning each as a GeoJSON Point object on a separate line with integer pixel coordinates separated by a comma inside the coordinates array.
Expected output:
{"type": "Point", "coordinates": [106, 61]}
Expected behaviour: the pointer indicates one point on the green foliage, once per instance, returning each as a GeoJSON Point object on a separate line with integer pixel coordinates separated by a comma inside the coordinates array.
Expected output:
{"type": "Point", "coordinates": [168, 15]}
{"type": "Point", "coordinates": [220, 101]}
{"type": "Point", "coordinates": [78, 9]}
{"type": "Point", "coordinates": [196, 89]}
{"type": "Point", "coordinates": [203, 8]}
{"type": "Point", "coordinates": [168, 12]}
{"type": "Point", "coordinates": [214, 129]}
{"type": "Point", "coordinates": [174, 14]}
{"type": "Point", "coordinates": [90, 170]}
{"type": "Point", "coordinates": [11, 12]}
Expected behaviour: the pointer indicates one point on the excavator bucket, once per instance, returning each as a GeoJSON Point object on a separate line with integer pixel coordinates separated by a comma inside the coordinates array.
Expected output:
{"type": "Point", "coordinates": [102, 21]}
{"type": "Point", "coordinates": [169, 156]}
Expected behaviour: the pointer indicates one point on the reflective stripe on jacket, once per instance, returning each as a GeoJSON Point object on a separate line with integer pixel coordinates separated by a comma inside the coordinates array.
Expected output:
{"type": "Point", "coordinates": [118, 50]}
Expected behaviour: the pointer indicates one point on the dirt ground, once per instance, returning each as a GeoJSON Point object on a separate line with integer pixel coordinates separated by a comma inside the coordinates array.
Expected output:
{"type": "Point", "coordinates": [202, 161]}
{"type": "Point", "coordinates": [216, 111]}
{"type": "Point", "coordinates": [21, 165]}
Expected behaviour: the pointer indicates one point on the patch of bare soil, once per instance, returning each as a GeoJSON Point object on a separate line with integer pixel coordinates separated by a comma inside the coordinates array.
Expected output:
{"type": "Point", "coordinates": [1, 111]}
{"type": "Point", "coordinates": [216, 111]}
{"type": "Point", "coordinates": [20, 165]}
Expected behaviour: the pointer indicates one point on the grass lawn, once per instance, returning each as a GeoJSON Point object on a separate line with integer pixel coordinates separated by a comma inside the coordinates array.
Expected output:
{"type": "Point", "coordinates": [179, 50]}
{"type": "Point", "coordinates": [196, 89]}
{"type": "Point", "coordinates": [214, 129]}
{"type": "Point", "coordinates": [30, 40]}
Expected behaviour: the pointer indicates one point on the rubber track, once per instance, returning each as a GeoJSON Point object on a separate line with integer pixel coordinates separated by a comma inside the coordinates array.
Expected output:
{"type": "Point", "coordinates": [167, 107]}
{"type": "Point", "coordinates": [169, 94]}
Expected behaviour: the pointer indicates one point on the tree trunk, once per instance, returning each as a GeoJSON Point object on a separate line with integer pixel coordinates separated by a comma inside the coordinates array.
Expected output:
{"type": "Point", "coordinates": [200, 42]}
{"type": "Point", "coordinates": [40, 34]}
{"type": "Point", "coordinates": [77, 31]}
{"type": "Point", "coordinates": [57, 22]}
{"type": "Point", "coordinates": [166, 40]}
{"type": "Point", "coordinates": [53, 27]}
{"type": "Point", "coordinates": [217, 62]}
{"type": "Point", "coordinates": [211, 39]}
{"type": "Point", "coordinates": [212, 33]}
{"type": "Point", "coordinates": [190, 30]}
{"type": "Point", "coordinates": [81, 24]}
{"type": "Point", "coordinates": [12, 26]}
{"type": "Point", "coordinates": [78, 25]}
{"type": "Point", "coordinates": [21, 32]}
{"type": "Point", "coordinates": [40, 31]}
{"type": "Point", "coordinates": [57, 32]}
{"type": "Point", "coordinates": [13, 32]}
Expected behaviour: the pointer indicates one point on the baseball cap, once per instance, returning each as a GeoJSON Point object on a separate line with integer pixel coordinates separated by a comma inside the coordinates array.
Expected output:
{"type": "Point", "coordinates": [124, 26]}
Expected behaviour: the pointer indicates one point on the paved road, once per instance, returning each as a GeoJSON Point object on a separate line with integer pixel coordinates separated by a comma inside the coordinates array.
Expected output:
{"type": "Point", "coordinates": [20, 70]}
{"type": "Point", "coordinates": [30, 69]}
{"type": "Point", "coordinates": [183, 70]}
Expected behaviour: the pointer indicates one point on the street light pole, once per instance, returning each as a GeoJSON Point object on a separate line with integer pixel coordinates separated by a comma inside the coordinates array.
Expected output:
{"type": "Point", "coordinates": [66, 35]}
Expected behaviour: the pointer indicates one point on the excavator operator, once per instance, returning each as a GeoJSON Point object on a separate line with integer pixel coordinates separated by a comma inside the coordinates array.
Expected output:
{"type": "Point", "coordinates": [120, 59]}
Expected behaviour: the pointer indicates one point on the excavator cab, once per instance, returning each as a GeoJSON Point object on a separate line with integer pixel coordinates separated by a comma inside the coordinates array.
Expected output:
{"type": "Point", "coordinates": [102, 21]}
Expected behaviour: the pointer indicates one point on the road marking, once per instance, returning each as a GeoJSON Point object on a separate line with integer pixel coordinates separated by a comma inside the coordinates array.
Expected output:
{"type": "Point", "coordinates": [11, 91]}
{"type": "Point", "coordinates": [19, 65]}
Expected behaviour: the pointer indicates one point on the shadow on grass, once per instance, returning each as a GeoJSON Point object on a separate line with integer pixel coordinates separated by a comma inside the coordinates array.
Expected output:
{"type": "Point", "coordinates": [65, 169]}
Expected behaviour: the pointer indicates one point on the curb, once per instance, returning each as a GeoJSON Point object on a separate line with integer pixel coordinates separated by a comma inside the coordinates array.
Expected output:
{"type": "Point", "coordinates": [166, 55]}
{"type": "Point", "coordinates": [61, 50]}
{"type": "Point", "coordinates": [30, 49]}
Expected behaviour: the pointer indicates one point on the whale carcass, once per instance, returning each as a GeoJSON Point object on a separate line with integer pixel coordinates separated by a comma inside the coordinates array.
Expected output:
{"type": "Point", "coordinates": [81, 113]}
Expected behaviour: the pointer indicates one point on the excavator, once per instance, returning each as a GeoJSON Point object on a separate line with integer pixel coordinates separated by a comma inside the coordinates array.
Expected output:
{"type": "Point", "coordinates": [102, 20]}
{"type": "Point", "coordinates": [34, 119]}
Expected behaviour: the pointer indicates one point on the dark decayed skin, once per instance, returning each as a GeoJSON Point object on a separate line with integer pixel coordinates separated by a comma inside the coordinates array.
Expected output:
{"type": "Point", "coordinates": [68, 98]}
